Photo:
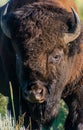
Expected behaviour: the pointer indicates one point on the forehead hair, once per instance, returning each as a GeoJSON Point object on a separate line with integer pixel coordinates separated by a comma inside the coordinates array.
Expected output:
{"type": "Point", "coordinates": [39, 26]}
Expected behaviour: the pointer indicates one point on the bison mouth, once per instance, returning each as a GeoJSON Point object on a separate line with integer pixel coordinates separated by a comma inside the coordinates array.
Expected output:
{"type": "Point", "coordinates": [42, 102]}
{"type": "Point", "coordinates": [35, 92]}
{"type": "Point", "coordinates": [45, 113]}
{"type": "Point", "coordinates": [42, 113]}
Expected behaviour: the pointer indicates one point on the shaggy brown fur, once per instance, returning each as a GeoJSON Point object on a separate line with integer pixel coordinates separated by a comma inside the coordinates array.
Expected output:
{"type": "Point", "coordinates": [37, 32]}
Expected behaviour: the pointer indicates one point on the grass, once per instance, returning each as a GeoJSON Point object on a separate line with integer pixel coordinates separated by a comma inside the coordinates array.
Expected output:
{"type": "Point", "coordinates": [8, 123]}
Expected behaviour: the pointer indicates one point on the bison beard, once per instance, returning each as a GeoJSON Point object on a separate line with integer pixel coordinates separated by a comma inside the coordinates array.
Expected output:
{"type": "Point", "coordinates": [45, 112]}
{"type": "Point", "coordinates": [42, 113]}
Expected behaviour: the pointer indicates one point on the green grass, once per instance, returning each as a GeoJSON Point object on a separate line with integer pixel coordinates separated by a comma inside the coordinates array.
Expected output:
{"type": "Point", "coordinates": [63, 112]}
{"type": "Point", "coordinates": [80, 7]}
{"type": "Point", "coordinates": [3, 104]}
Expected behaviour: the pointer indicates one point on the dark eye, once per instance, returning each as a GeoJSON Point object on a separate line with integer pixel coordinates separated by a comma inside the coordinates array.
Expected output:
{"type": "Point", "coordinates": [54, 59]}
{"type": "Point", "coordinates": [57, 57]}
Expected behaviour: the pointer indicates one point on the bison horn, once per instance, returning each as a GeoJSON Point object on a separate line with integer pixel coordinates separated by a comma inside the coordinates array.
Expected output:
{"type": "Point", "coordinates": [3, 23]}
{"type": "Point", "coordinates": [72, 35]}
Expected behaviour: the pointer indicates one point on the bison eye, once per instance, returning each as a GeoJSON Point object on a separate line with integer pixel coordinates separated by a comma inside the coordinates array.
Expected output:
{"type": "Point", "coordinates": [54, 59]}
{"type": "Point", "coordinates": [57, 57]}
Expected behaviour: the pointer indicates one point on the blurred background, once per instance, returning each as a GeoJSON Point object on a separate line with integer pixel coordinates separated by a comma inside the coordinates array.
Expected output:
{"type": "Point", "coordinates": [79, 4]}
{"type": "Point", "coordinates": [58, 123]}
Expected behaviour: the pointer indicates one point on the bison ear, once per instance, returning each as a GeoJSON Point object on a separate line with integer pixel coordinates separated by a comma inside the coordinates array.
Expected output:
{"type": "Point", "coordinates": [4, 18]}
{"type": "Point", "coordinates": [75, 30]}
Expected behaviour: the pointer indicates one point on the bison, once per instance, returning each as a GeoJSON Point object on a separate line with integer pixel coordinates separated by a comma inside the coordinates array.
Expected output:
{"type": "Point", "coordinates": [41, 51]}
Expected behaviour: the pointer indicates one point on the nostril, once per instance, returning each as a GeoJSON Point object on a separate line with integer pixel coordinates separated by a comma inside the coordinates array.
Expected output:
{"type": "Point", "coordinates": [40, 91]}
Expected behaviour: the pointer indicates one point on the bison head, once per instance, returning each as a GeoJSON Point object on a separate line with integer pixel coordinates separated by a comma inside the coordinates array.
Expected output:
{"type": "Point", "coordinates": [44, 40]}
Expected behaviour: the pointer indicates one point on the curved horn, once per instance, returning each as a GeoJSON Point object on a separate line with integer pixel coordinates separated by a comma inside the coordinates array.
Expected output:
{"type": "Point", "coordinates": [3, 23]}
{"type": "Point", "coordinates": [71, 36]}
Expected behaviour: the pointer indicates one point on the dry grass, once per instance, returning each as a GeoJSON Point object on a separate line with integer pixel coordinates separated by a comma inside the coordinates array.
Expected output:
{"type": "Point", "coordinates": [8, 123]}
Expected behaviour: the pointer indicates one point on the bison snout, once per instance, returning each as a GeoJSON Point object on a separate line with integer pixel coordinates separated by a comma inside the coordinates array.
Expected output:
{"type": "Point", "coordinates": [36, 93]}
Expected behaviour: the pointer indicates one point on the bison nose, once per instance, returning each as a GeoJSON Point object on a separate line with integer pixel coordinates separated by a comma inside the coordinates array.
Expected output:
{"type": "Point", "coordinates": [40, 91]}
{"type": "Point", "coordinates": [36, 93]}
{"type": "Point", "coordinates": [39, 94]}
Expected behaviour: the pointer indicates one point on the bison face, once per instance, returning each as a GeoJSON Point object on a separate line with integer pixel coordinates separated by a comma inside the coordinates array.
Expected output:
{"type": "Point", "coordinates": [40, 35]}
